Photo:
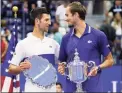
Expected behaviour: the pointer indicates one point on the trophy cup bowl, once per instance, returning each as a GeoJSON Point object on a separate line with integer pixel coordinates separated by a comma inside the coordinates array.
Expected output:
{"type": "Point", "coordinates": [78, 71]}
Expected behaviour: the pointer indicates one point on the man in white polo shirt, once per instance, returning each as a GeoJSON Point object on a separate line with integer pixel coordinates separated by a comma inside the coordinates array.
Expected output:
{"type": "Point", "coordinates": [35, 44]}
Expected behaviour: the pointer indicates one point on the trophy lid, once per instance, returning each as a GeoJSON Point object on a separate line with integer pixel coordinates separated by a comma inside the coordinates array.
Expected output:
{"type": "Point", "coordinates": [76, 57]}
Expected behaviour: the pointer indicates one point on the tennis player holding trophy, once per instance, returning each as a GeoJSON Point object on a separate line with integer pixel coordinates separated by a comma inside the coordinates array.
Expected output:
{"type": "Point", "coordinates": [81, 49]}
{"type": "Point", "coordinates": [37, 55]}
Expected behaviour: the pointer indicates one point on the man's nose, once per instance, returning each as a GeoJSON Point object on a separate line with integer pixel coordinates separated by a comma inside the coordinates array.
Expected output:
{"type": "Point", "coordinates": [49, 22]}
{"type": "Point", "coordinates": [65, 19]}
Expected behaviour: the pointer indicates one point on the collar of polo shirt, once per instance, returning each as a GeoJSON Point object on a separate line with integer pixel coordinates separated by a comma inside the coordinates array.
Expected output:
{"type": "Point", "coordinates": [36, 38]}
{"type": "Point", "coordinates": [87, 30]}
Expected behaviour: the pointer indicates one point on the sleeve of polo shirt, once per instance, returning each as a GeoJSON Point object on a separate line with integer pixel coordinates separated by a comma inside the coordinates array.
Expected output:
{"type": "Point", "coordinates": [104, 45]}
{"type": "Point", "coordinates": [57, 48]}
{"type": "Point", "coordinates": [19, 54]}
{"type": "Point", "coordinates": [62, 53]}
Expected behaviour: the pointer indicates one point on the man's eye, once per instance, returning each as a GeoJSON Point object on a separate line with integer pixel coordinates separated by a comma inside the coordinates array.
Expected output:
{"type": "Point", "coordinates": [47, 19]}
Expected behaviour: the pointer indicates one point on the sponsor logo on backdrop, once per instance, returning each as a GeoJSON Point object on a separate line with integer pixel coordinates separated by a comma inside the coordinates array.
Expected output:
{"type": "Point", "coordinates": [115, 85]}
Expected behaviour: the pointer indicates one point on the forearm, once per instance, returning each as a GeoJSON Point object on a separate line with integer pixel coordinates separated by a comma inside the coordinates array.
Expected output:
{"type": "Point", "coordinates": [14, 69]}
{"type": "Point", "coordinates": [108, 62]}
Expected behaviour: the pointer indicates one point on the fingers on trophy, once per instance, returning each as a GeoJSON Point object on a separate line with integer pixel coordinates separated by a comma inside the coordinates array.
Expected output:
{"type": "Point", "coordinates": [61, 68]}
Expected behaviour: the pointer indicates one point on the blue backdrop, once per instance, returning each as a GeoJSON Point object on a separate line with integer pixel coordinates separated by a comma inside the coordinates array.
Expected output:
{"type": "Point", "coordinates": [112, 79]}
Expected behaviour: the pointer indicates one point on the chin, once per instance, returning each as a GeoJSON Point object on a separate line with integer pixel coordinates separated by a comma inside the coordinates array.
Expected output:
{"type": "Point", "coordinates": [46, 30]}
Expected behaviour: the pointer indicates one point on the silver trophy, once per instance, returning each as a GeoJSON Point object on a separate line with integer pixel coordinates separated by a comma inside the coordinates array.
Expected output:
{"type": "Point", "coordinates": [78, 71]}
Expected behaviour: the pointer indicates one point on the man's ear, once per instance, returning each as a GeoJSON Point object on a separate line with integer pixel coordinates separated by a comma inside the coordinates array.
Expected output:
{"type": "Point", "coordinates": [37, 20]}
{"type": "Point", "coordinates": [76, 14]}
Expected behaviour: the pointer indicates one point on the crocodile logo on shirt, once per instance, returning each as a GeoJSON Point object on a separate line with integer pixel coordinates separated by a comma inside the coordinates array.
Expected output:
{"type": "Point", "coordinates": [89, 41]}
{"type": "Point", "coordinates": [50, 46]}
{"type": "Point", "coordinates": [108, 45]}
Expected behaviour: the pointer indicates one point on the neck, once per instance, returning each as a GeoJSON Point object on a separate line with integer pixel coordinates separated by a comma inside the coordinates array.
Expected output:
{"type": "Point", "coordinates": [39, 34]}
{"type": "Point", "coordinates": [80, 28]}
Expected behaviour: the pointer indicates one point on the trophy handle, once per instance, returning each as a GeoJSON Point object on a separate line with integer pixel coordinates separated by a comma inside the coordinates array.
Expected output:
{"type": "Point", "coordinates": [91, 64]}
{"type": "Point", "coordinates": [65, 74]}
{"type": "Point", "coordinates": [65, 68]}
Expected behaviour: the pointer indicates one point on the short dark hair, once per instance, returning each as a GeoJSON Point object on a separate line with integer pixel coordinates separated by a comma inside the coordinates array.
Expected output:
{"type": "Point", "coordinates": [37, 13]}
{"type": "Point", "coordinates": [58, 83]}
{"type": "Point", "coordinates": [79, 8]}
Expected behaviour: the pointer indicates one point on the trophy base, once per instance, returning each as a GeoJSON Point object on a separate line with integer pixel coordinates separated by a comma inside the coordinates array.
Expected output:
{"type": "Point", "coordinates": [79, 88]}
{"type": "Point", "coordinates": [80, 91]}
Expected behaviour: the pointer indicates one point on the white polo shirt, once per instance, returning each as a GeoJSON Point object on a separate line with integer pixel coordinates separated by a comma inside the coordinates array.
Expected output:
{"type": "Point", "coordinates": [35, 46]}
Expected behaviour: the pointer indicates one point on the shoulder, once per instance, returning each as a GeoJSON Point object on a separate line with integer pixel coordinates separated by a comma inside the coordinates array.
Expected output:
{"type": "Point", "coordinates": [66, 36]}
{"type": "Point", "coordinates": [23, 42]}
{"type": "Point", "coordinates": [65, 39]}
{"type": "Point", "coordinates": [97, 32]}
{"type": "Point", "coordinates": [99, 35]}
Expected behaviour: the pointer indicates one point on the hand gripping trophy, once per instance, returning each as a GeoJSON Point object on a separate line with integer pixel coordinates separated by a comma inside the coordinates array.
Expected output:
{"type": "Point", "coordinates": [78, 70]}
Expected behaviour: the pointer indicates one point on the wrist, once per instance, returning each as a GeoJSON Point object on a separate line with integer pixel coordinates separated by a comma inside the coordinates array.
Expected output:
{"type": "Point", "coordinates": [99, 69]}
